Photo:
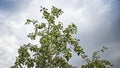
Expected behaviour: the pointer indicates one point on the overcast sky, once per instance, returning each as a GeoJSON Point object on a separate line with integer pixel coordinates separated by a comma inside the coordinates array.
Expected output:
{"type": "Point", "coordinates": [98, 23]}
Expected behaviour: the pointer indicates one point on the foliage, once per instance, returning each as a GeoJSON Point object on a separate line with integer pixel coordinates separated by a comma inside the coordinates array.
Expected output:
{"type": "Point", "coordinates": [53, 51]}
{"type": "Point", "coordinates": [56, 45]}
{"type": "Point", "coordinates": [96, 62]}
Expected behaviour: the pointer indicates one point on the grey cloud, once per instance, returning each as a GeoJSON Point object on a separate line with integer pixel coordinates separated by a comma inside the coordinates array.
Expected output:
{"type": "Point", "coordinates": [97, 21]}
{"type": "Point", "coordinates": [10, 7]}
{"type": "Point", "coordinates": [106, 32]}
{"type": "Point", "coordinates": [8, 48]}
{"type": "Point", "coordinates": [117, 61]}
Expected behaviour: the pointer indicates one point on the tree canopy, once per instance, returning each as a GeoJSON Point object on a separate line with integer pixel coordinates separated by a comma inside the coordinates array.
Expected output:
{"type": "Point", "coordinates": [56, 45]}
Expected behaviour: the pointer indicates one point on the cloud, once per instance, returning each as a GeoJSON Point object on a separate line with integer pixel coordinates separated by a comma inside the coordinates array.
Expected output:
{"type": "Point", "coordinates": [12, 5]}
{"type": "Point", "coordinates": [7, 50]}
{"type": "Point", "coordinates": [101, 27]}
{"type": "Point", "coordinates": [12, 19]}
{"type": "Point", "coordinates": [97, 21]}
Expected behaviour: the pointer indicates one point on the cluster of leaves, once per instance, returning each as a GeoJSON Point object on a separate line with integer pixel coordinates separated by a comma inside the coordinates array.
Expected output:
{"type": "Point", "coordinates": [56, 45]}
{"type": "Point", "coordinates": [96, 62]}
{"type": "Point", "coordinates": [53, 52]}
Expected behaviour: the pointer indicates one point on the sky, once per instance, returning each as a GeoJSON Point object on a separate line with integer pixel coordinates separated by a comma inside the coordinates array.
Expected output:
{"type": "Point", "coordinates": [98, 23]}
